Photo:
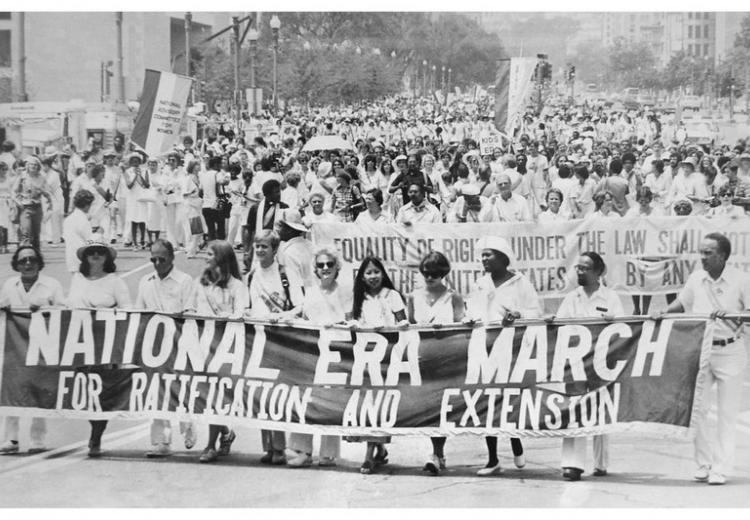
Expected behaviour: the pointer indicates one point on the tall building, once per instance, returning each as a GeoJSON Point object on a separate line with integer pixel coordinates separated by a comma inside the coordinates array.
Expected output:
{"type": "Point", "coordinates": [67, 55]}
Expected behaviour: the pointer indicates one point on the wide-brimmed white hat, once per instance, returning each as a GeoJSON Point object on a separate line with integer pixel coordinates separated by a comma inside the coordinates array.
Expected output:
{"type": "Point", "coordinates": [96, 240]}
{"type": "Point", "coordinates": [498, 244]}
{"type": "Point", "coordinates": [292, 218]}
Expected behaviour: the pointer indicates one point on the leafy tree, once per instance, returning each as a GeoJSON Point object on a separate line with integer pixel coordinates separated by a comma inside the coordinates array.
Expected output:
{"type": "Point", "coordinates": [633, 64]}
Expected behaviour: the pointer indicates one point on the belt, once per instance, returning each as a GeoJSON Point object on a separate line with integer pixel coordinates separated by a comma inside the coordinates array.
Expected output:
{"type": "Point", "coordinates": [723, 342]}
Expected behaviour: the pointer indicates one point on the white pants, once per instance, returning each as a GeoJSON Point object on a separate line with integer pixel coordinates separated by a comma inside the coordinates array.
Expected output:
{"type": "Point", "coordinates": [175, 228]}
{"type": "Point", "coordinates": [37, 433]}
{"type": "Point", "coordinates": [330, 445]}
{"type": "Point", "coordinates": [161, 431]}
{"type": "Point", "coordinates": [574, 452]}
{"type": "Point", "coordinates": [725, 368]}
{"type": "Point", "coordinates": [235, 225]}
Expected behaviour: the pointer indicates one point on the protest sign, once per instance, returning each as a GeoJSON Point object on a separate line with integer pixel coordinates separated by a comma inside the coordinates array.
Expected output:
{"type": "Point", "coordinates": [572, 378]}
{"type": "Point", "coordinates": [162, 109]}
{"type": "Point", "coordinates": [488, 143]}
{"type": "Point", "coordinates": [652, 255]}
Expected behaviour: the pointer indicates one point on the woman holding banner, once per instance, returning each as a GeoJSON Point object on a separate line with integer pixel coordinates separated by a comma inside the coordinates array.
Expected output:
{"type": "Point", "coordinates": [376, 304]}
{"type": "Point", "coordinates": [500, 297]}
{"type": "Point", "coordinates": [29, 290]}
{"type": "Point", "coordinates": [96, 286]}
{"type": "Point", "coordinates": [325, 303]}
{"type": "Point", "coordinates": [219, 292]}
{"type": "Point", "coordinates": [435, 305]}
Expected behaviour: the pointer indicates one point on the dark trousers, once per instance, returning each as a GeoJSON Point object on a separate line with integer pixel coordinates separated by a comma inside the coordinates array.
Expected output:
{"type": "Point", "coordinates": [30, 223]}
{"type": "Point", "coordinates": [216, 224]}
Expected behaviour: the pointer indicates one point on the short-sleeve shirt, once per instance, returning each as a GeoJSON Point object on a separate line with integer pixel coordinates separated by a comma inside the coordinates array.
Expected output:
{"type": "Point", "coordinates": [578, 304]}
{"type": "Point", "coordinates": [379, 310]}
{"type": "Point", "coordinates": [107, 292]}
{"type": "Point", "coordinates": [173, 293]}
{"type": "Point", "coordinates": [490, 303]}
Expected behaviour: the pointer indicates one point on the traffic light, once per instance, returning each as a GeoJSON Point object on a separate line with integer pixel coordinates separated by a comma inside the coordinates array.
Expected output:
{"type": "Point", "coordinates": [547, 71]}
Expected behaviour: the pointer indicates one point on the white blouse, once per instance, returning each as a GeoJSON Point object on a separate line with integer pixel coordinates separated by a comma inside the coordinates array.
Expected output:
{"type": "Point", "coordinates": [379, 310]}
{"type": "Point", "coordinates": [107, 292]}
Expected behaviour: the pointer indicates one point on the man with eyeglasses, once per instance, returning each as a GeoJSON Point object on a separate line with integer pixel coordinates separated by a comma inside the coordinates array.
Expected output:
{"type": "Point", "coordinates": [167, 289]}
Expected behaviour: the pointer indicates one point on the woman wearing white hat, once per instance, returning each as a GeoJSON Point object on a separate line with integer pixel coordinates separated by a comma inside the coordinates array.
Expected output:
{"type": "Point", "coordinates": [96, 286]}
{"type": "Point", "coordinates": [501, 296]}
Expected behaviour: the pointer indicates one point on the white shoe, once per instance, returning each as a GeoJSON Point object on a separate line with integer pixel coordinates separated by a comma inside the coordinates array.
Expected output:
{"type": "Point", "coordinates": [37, 447]}
{"type": "Point", "coordinates": [8, 448]}
{"type": "Point", "coordinates": [490, 470]}
{"type": "Point", "coordinates": [190, 437]}
{"type": "Point", "coordinates": [519, 461]}
{"type": "Point", "coordinates": [701, 474]}
{"type": "Point", "coordinates": [716, 479]}
{"type": "Point", "coordinates": [159, 451]}
{"type": "Point", "coordinates": [300, 460]}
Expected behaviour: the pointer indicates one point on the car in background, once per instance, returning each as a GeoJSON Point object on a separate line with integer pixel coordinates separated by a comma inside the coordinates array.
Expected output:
{"type": "Point", "coordinates": [646, 100]}
{"type": "Point", "coordinates": [701, 132]}
{"type": "Point", "coordinates": [630, 98]}
{"type": "Point", "coordinates": [691, 103]}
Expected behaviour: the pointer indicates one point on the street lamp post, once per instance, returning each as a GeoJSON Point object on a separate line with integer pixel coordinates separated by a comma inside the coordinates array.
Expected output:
{"type": "Point", "coordinates": [275, 26]}
{"type": "Point", "coordinates": [188, 27]}
{"type": "Point", "coordinates": [236, 51]}
{"type": "Point", "coordinates": [432, 78]}
{"type": "Point", "coordinates": [424, 77]}
{"type": "Point", "coordinates": [450, 70]}
{"type": "Point", "coordinates": [252, 35]}
{"type": "Point", "coordinates": [442, 79]}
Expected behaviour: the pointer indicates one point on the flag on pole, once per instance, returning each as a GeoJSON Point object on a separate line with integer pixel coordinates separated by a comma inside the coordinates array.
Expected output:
{"type": "Point", "coordinates": [163, 107]}
{"type": "Point", "coordinates": [520, 86]}
{"type": "Point", "coordinates": [502, 82]}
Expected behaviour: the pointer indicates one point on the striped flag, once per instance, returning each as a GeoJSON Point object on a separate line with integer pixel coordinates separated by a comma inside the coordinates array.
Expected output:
{"type": "Point", "coordinates": [163, 107]}
{"type": "Point", "coordinates": [502, 84]}
{"type": "Point", "coordinates": [512, 88]}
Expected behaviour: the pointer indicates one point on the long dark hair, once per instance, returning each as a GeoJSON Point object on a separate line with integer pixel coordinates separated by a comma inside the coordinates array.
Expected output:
{"type": "Point", "coordinates": [109, 264]}
{"type": "Point", "coordinates": [226, 265]}
{"type": "Point", "coordinates": [359, 284]}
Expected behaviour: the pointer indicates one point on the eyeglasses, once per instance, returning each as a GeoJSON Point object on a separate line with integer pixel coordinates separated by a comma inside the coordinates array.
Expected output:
{"type": "Point", "coordinates": [432, 274]}
{"type": "Point", "coordinates": [28, 260]}
{"type": "Point", "coordinates": [158, 260]}
{"type": "Point", "coordinates": [727, 195]}
{"type": "Point", "coordinates": [96, 251]}
{"type": "Point", "coordinates": [324, 265]}
{"type": "Point", "coordinates": [582, 268]}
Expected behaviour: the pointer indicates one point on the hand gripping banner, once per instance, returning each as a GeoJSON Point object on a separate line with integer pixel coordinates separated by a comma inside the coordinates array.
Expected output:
{"type": "Point", "coordinates": [576, 377]}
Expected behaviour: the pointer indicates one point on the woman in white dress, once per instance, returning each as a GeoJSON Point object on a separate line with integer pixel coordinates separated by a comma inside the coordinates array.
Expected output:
{"type": "Point", "coordinates": [192, 200]}
{"type": "Point", "coordinates": [136, 182]}
{"type": "Point", "coordinates": [173, 180]}
{"type": "Point", "coordinates": [156, 211]}
{"type": "Point", "coordinates": [376, 303]}
{"type": "Point", "coordinates": [325, 303]}
{"type": "Point", "coordinates": [435, 305]}
{"type": "Point", "coordinates": [96, 286]}
{"type": "Point", "coordinates": [220, 293]}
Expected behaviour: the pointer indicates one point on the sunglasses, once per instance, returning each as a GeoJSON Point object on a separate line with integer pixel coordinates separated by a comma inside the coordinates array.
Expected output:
{"type": "Point", "coordinates": [96, 251]}
{"type": "Point", "coordinates": [323, 265]}
{"type": "Point", "coordinates": [28, 260]}
{"type": "Point", "coordinates": [158, 260]}
{"type": "Point", "coordinates": [431, 274]}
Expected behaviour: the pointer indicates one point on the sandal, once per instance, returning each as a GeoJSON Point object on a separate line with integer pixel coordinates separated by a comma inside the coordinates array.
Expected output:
{"type": "Point", "coordinates": [381, 458]}
{"type": "Point", "coordinates": [366, 467]}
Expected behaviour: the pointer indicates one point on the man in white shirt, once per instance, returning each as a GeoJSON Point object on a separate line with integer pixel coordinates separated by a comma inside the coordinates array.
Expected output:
{"type": "Point", "coordinates": [295, 251]}
{"type": "Point", "coordinates": [167, 289]}
{"type": "Point", "coordinates": [590, 300]}
{"type": "Point", "coordinates": [510, 207]}
{"type": "Point", "coordinates": [718, 289]}
{"type": "Point", "coordinates": [77, 228]}
{"type": "Point", "coordinates": [418, 210]}
{"type": "Point", "coordinates": [471, 207]}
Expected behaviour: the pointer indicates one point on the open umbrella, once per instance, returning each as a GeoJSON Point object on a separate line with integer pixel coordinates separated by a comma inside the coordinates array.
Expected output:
{"type": "Point", "coordinates": [327, 142]}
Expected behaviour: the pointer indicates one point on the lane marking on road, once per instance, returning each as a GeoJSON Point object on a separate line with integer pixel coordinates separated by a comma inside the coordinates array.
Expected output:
{"type": "Point", "coordinates": [48, 457]}
{"type": "Point", "coordinates": [142, 267]}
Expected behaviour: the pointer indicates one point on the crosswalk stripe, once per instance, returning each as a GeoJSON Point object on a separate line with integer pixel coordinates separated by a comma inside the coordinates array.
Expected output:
{"type": "Point", "coordinates": [112, 440]}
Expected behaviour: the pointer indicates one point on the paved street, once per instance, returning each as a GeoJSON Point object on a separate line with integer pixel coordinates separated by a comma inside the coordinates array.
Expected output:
{"type": "Point", "coordinates": [644, 472]}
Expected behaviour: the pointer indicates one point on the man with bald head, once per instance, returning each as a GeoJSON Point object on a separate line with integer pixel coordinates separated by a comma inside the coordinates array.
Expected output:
{"type": "Point", "coordinates": [510, 207]}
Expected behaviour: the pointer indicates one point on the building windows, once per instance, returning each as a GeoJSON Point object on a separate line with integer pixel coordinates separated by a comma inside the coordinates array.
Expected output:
{"type": "Point", "coordinates": [705, 31]}
{"type": "Point", "coordinates": [697, 31]}
{"type": "Point", "coordinates": [690, 49]}
{"type": "Point", "coordinates": [4, 15]}
{"type": "Point", "coordinates": [705, 49]}
{"type": "Point", "coordinates": [690, 31]}
{"type": "Point", "coordinates": [5, 48]}
{"type": "Point", "coordinates": [690, 16]}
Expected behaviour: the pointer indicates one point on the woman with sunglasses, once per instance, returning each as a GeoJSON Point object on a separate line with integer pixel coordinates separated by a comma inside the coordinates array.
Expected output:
{"type": "Point", "coordinates": [435, 305]}
{"type": "Point", "coordinates": [96, 286]}
{"type": "Point", "coordinates": [325, 303]}
{"type": "Point", "coordinates": [29, 290]}
{"type": "Point", "coordinates": [726, 208]}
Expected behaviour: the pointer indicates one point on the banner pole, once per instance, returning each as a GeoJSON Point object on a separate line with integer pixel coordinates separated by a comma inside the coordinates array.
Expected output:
{"type": "Point", "coordinates": [3, 318]}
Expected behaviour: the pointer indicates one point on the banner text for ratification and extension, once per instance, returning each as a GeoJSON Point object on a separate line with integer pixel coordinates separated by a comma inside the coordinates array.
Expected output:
{"type": "Point", "coordinates": [534, 380]}
{"type": "Point", "coordinates": [643, 255]}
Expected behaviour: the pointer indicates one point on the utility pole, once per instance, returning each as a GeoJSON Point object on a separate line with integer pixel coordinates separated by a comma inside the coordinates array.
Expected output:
{"type": "Point", "coordinates": [236, 51]}
{"type": "Point", "coordinates": [21, 94]}
{"type": "Point", "coordinates": [188, 29]}
{"type": "Point", "coordinates": [120, 76]}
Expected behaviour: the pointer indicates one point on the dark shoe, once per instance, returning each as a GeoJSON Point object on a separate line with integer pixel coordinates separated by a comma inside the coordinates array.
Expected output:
{"type": "Point", "coordinates": [95, 451]}
{"type": "Point", "coordinates": [381, 458]}
{"type": "Point", "coordinates": [600, 472]}
{"type": "Point", "coordinates": [209, 455]}
{"type": "Point", "coordinates": [225, 442]}
{"type": "Point", "coordinates": [366, 468]}
{"type": "Point", "coordinates": [572, 474]}
{"type": "Point", "coordinates": [267, 458]}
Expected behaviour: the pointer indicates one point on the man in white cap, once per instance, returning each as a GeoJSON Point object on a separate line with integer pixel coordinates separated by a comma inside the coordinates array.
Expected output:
{"type": "Point", "coordinates": [295, 251]}
{"type": "Point", "coordinates": [500, 296]}
{"type": "Point", "coordinates": [743, 172]}
{"type": "Point", "coordinates": [471, 207]}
